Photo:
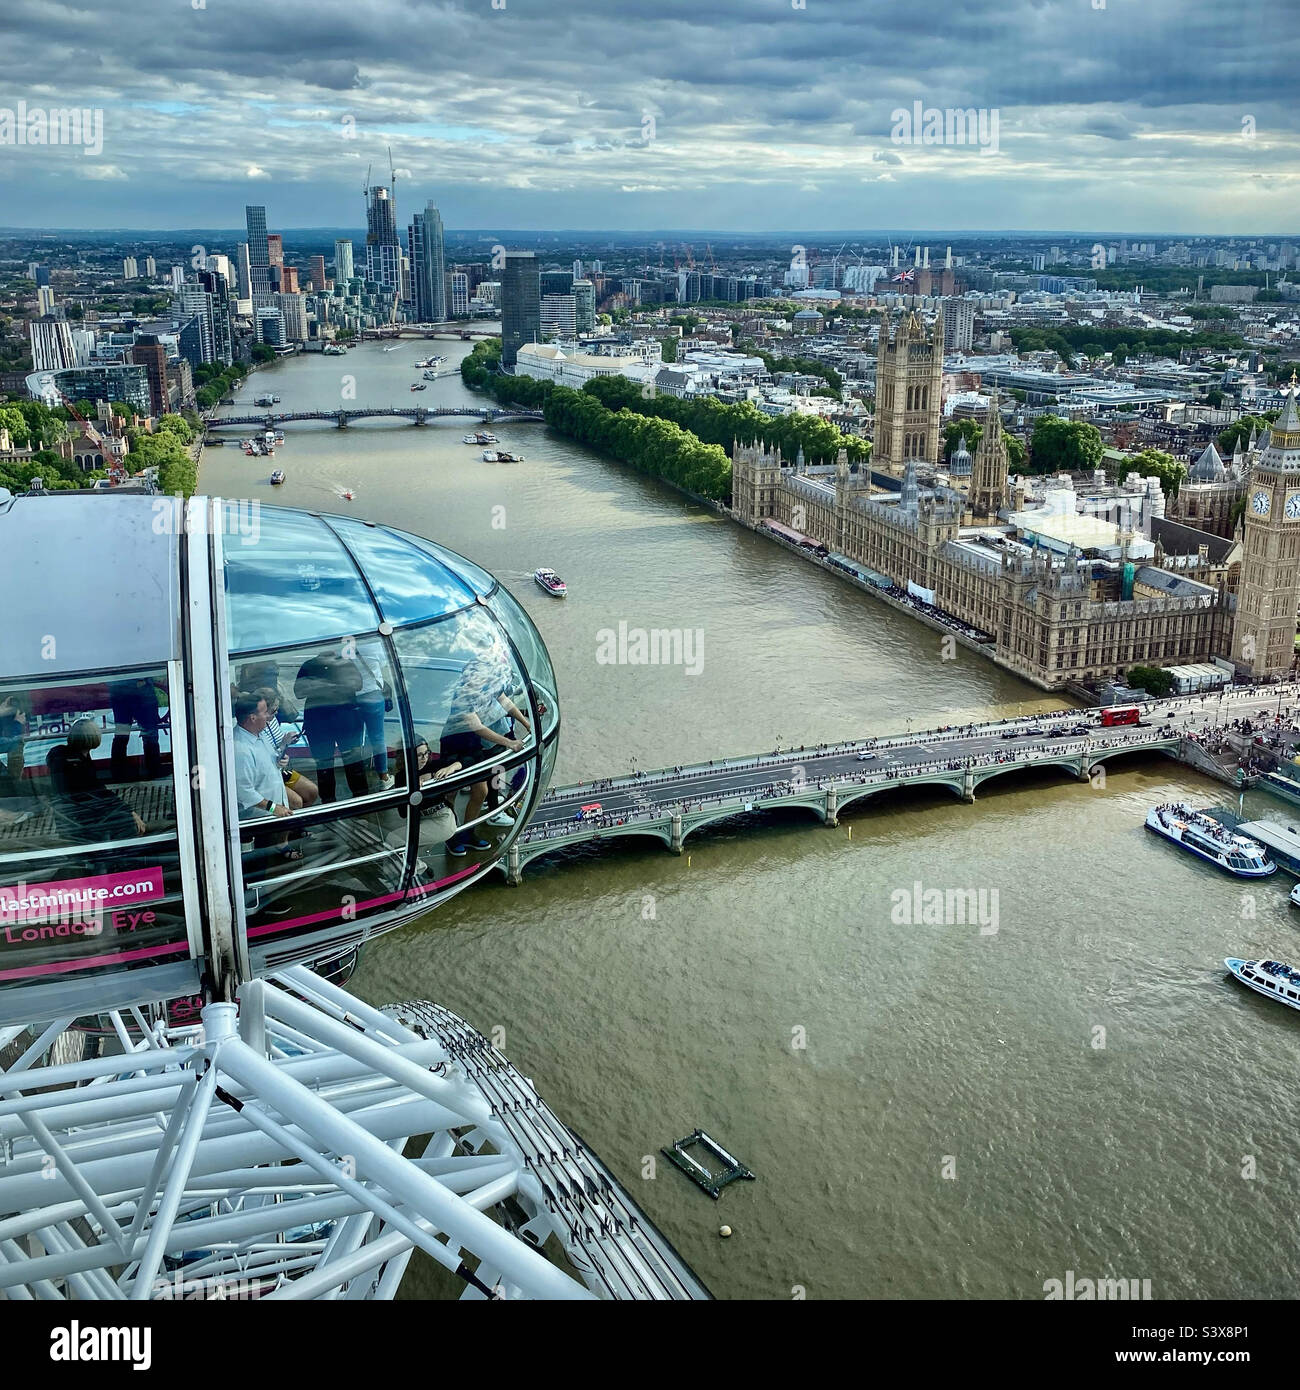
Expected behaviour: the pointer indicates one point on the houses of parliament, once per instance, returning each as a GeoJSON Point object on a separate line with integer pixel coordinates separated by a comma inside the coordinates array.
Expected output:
{"type": "Point", "coordinates": [1076, 589]}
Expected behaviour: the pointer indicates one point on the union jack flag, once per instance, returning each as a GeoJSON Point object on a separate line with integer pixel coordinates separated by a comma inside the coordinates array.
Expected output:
{"type": "Point", "coordinates": [904, 277]}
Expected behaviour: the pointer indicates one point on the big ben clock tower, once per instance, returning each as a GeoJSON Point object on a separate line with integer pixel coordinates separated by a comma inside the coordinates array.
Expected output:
{"type": "Point", "coordinates": [1263, 638]}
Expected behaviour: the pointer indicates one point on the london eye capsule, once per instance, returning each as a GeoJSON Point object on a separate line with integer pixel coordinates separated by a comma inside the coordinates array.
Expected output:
{"type": "Point", "coordinates": [235, 738]}
{"type": "Point", "coordinates": [235, 743]}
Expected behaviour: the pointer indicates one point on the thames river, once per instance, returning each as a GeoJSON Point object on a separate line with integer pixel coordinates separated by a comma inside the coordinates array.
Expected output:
{"type": "Point", "coordinates": [931, 1111]}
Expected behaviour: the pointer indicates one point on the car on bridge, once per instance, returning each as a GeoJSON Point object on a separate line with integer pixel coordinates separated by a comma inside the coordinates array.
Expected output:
{"type": "Point", "coordinates": [589, 811]}
{"type": "Point", "coordinates": [1014, 733]}
{"type": "Point", "coordinates": [867, 757]}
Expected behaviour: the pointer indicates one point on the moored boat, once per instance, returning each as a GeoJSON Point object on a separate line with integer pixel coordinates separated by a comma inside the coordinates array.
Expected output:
{"type": "Point", "coordinates": [1206, 838]}
{"type": "Point", "coordinates": [277, 477]}
{"type": "Point", "coordinates": [1270, 977]}
{"type": "Point", "coordinates": [551, 582]}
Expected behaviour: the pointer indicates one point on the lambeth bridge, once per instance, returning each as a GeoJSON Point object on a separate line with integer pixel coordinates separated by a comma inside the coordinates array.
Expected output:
{"type": "Point", "coordinates": [671, 803]}
{"type": "Point", "coordinates": [417, 415]}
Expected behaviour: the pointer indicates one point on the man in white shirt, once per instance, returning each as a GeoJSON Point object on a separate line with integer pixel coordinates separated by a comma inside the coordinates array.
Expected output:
{"type": "Point", "coordinates": [259, 787]}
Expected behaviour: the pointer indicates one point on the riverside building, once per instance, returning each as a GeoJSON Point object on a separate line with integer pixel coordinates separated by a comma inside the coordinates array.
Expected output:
{"type": "Point", "coordinates": [1057, 591]}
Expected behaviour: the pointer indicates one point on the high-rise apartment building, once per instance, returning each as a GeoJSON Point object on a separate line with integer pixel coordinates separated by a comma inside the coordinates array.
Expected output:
{"type": "Point", "coordinates": [130, 271]}
{"type": "Point", "coordinates": [343, 271]}
{"type": "Point", "coordinates": [196, 302]}
{"type": "Point", "coordinates": [259, 263]}
{"type": "Point", "coordinates": [243, 272]}
{"type": "Point", "coordinates": [428, 270]}
{"type": "Point", "coordinates": [44, 299]}
{"type": "Point", "coordinates": [275, 249]}
{"type": "Point", "coordinates": [958, 324]}
{"type": "Point", "coordinates": [584, 295]}
{"type": "Point", "coordinates": [383, 250]}
{"type": "Point", "coordinates": [149, 353]}
{"type": "Point", "coordinates": [52, 348]}
{"type": "Point", "coordinates": [270, 326]}
{"type": "Point", "coordinates": [558, 316]}
{"type": "Point", "coordinates": [220, 312]}
{"type": "Point", "coordinates": [458, 293]}
{"type": "Point", "coordinates": [150, 267]}
{"type": "Point", "coordinates": [317, 273]}
{"type": "Point", "coordinates": [521, 320]}
{"type": "Point", "coordinates": [293, 311]}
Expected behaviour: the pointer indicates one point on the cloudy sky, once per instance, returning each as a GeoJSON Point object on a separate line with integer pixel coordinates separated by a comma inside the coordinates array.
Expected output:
{"type": "Point", "coordinates": [728, 115]}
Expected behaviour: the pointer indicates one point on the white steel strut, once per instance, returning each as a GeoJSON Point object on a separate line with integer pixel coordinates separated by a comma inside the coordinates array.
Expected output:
{"type": "Point", "coordinates": [263, 1154]}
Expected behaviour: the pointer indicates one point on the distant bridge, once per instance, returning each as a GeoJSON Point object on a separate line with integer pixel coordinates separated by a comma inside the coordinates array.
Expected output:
{"type": "Point", "coordinates": [418, 415]}
{"type": "Point", "coordinates": [427, 330]}
{"type": "Point", "coordinates": [672, 803]}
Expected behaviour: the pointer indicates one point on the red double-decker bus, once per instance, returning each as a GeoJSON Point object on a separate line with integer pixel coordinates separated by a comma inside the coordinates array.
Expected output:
{"type": "Point", "coordinates": [1120, 714]}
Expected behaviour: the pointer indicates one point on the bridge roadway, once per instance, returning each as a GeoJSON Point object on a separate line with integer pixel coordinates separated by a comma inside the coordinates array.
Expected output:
{"type": "Point", "coordinates": [418, 414]}
{"type": "Point", "coordinates": [670, 803]}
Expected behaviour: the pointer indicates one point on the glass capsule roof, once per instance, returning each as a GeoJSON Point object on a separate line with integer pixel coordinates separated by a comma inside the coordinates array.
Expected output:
{"type": "Point", "coordinates": [296, 577]}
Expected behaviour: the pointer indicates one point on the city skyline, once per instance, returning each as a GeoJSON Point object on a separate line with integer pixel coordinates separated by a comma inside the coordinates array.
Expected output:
{"type": "Point", "coordinates": [1173, 118]}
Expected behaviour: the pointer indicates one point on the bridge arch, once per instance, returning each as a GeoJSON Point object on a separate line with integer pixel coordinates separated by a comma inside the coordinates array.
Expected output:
{"type": "Point", "coordinates": [952, 780]}
{"type": "Point", "coordinates": [693, 821]}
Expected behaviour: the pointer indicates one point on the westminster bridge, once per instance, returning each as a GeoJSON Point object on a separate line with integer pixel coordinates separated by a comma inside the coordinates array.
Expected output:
{"type": "Point", "coordinates": [670, 804]}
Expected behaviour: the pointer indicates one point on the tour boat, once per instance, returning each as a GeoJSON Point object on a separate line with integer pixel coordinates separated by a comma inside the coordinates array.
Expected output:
{"type": "Point", "coordinates": [485, 437]}
{"type": "Point", "coordinates": [468, 439]}
{"type": "Point", "coordinates": [551, 582]}
{"type": "Point", "coordinates": [1204, 837]}
{"type": "Point", "coordinates": [490, 456]}
{"type": "Point", "coordinates": [1269, 977]}
{"type": "Point", "coordinates": [277, 477]}
{"type": "Point", "coordinates": [418, 386]}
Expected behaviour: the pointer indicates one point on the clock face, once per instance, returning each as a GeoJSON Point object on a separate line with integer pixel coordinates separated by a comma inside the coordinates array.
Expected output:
{"type": "Point", "coordinates": [1259, 503]}
{"type": "Point", "coordinates": [1293, 506]}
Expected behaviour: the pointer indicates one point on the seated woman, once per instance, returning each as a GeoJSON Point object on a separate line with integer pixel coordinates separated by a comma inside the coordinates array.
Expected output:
{"type": "Point", "coordinates": [436, 812]}
{"type": "Point", "coordinates": [85, 810]}
{"type": "Point", "coordinates": [300, 790]}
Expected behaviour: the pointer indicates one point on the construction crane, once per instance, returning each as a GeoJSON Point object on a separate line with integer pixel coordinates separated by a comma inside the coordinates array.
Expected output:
{"type": "Point", "coordinates": [713, 265]}
{"type": "Point", "coordinates": [392, 179]}
{"type": "Point", "coordinates": [116, 473]}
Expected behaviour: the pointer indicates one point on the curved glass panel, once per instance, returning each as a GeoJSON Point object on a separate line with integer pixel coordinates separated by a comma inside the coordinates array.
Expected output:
{"type": "Point", "coordinates": [303, 715]}
{"type": "Point", "coordinates": [346, 870]}
{"type": "Point", "coordinates": [536, 660]}
{"type": "Point", "coordinates": [85, 761]}
{"type": "Point", "coordinates": [478, 579]}
{"type": "Point", "coordinates": [90, 911]}
{"type": "Point", "coordinates": [291, 580]}
{"type": "Point", "coordinates": [410, 584]}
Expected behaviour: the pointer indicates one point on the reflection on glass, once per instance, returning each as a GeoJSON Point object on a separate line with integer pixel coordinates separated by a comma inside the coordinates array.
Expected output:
{"type": "Point", "coordinates": [100, 909]}
{"type": "Point", "coordinates": [529, 644]}
{"type": "Point", "coordinates": [308, 712]}
{"type": "Point", "coordinates": [85, 762]}
{"type": "Point", "coordinates": [347, 869]}
{"type": "Point", "coordinates": [294, 583]}
{"type": "Point", "coordinates": [410, 584]}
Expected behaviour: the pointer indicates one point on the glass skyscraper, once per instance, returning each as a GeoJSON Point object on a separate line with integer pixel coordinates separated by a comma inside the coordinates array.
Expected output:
{"type": "Point", "coordinates": [521, 314]}
{"type": "Point", "coordinates": [259, 258]}
{"type": "Point", "coordinates": [343, 271]}
{"type": "Point", "coordinates": [428, 277]}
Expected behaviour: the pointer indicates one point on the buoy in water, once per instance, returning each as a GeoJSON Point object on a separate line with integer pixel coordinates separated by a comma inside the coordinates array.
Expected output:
{"type": "Point", "coordinates": [724, 1231]}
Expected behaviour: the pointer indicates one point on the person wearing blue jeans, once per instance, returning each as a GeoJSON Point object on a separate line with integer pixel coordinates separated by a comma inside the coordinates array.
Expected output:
{"type": "Point", "coordinates": [135, 702]}
{"type": "Point", "coordinates": [331, 718]}
{"type": "Point", "coordinates": [374, 701]}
